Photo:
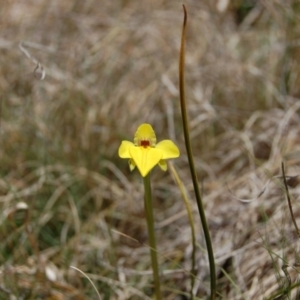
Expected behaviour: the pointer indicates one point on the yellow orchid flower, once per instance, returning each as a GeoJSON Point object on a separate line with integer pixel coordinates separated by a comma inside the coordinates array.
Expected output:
{"type": "Point", "coordinates": [144, 153]}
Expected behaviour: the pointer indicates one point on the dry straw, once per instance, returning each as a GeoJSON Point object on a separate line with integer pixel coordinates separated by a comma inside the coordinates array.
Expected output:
{"type": "Point", "coordinates": [109, 68]}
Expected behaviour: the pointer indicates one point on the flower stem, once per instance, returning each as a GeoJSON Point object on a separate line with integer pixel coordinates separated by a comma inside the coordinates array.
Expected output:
{"type": "Point", "coordinates": [213, 280]}
{"type": "Point", "coordinates": [151, 235]}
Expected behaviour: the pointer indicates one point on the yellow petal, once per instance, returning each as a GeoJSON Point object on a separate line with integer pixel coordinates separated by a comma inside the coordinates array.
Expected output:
{"type": "Point", "coordinates": [131, 164]}
{"type": "Point", "coordinates": [169, 149]}
{"type": "Point", "coordinates": [163, 165]}
{"type": "Point", "coordinates": [145, 132]}
{"type": "Point", "coordinates": [145, 158]}
{"type": "Point", "coordinates": [124, 149]}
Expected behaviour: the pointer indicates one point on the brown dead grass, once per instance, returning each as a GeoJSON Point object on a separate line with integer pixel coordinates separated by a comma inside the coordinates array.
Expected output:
{"type": "Point", "coordinates": [67, 199]}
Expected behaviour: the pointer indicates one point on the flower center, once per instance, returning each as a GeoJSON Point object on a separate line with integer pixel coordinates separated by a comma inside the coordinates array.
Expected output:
{"type": "Point", "coordinates": [144, 143]}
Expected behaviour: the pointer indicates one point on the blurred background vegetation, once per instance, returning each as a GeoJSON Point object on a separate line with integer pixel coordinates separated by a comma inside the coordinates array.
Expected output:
{"type": "Point", "coordinates": [67, 199]}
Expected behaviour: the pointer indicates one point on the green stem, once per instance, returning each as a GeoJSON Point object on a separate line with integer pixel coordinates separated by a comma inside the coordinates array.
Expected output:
{"type": "Point", "coordinates": [209, 247]}
{"type": "Point", "coordinates": [151, 235]}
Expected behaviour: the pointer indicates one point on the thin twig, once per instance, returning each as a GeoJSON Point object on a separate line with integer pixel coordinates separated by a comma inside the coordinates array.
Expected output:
{"type": "Point", "coordinates": [39, 71]}
{"type": "Point", "coordinates": [289, 200]}
{"type": "Point", "coordinates": [192, 225]}
{"type": "Point", "coordinates": [88, 278]}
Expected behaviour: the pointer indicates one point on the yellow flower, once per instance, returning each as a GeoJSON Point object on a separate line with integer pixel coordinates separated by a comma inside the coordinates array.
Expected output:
{"type": "Point", "coordinates": [144, 153]}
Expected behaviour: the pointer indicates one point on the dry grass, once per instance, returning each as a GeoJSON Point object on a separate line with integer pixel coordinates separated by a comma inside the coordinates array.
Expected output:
{"type": "Point", "coordinates": [68, 200]}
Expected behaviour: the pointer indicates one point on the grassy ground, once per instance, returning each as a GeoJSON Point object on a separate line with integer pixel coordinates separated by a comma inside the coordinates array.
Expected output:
{"type": "Point", "coordinates": [66, 197]}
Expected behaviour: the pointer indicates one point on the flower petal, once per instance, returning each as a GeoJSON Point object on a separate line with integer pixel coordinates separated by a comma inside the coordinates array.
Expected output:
{"type": "Point", "coordinates": [163, 165]}
{"type": "Point", "coordinates": [170, 150]}
{"type": "Point", "coordinates": [131, 164]}
{"type": "Point", "coordinates": [145, 132]}
{"type": "Point", "coordinates": [145, 158]}
{"type": "Point", "coordinates": [124, 149]}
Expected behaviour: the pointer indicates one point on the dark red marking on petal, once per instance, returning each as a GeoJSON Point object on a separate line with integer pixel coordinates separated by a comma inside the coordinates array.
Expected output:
{"type": "Point", "coordinates": [145, 143]}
